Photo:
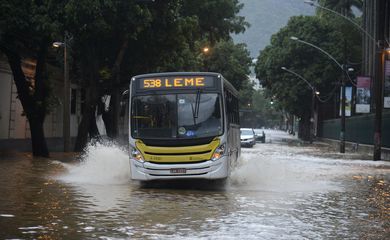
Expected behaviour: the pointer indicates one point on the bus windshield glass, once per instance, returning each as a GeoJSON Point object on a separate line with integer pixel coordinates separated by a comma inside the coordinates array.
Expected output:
{"type": "Point", "coordinates": [168, 116]}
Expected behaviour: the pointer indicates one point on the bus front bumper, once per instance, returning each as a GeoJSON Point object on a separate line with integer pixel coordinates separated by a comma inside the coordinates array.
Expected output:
{"type": "Point", "coordinates": [206, 170]}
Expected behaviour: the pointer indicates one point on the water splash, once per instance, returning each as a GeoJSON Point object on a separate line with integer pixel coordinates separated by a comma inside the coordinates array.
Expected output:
{"type": "Point", "coordinates": [101, 163]}
{"type": "Point", "coordinates": [279, 171]}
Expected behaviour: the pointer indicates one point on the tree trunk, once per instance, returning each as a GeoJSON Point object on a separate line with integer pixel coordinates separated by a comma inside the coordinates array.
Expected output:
{"type": "Point", "coordinates": [87, 127]}
{"type": "Point", "coordinates": [112, 124]}
{"type": "Point", "coordinates": [82, 134]}
{"type": "Point", "coordinates": [32, 100]}
{"type": "Point", "coordinates": [304, 128]}
{"type": "Point", "coordinates": [39, 146]}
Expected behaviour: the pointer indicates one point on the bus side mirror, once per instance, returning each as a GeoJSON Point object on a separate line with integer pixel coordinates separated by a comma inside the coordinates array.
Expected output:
{"type": "Point", "coordinates": [125, 94]}
{"type": "Point", "coordinates": [123, 102]}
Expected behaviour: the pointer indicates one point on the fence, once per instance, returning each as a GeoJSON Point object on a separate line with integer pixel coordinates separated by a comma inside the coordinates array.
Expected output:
{"type": "Point", "coordinates": [359, 129]}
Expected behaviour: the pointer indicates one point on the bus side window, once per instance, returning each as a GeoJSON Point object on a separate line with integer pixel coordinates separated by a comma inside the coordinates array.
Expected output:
{"type": "Point", "coordinates": [236, 114]}
{"type": "Point", "coordinates": [229, 99]}
{"type": "Point", "coordinates": [227, 109]}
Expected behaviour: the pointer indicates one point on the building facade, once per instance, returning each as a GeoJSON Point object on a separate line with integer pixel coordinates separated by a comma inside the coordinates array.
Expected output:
{"type": "Point", "coordinates": [14, 127]}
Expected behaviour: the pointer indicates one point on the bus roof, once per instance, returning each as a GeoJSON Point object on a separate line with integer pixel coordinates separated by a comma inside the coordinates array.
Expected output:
{"type": "Point", "coordinates": [176, 73]}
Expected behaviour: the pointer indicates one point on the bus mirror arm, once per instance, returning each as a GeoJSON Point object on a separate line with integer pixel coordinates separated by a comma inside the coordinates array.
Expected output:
{"type": "Point", "coordinates": [125, 93]}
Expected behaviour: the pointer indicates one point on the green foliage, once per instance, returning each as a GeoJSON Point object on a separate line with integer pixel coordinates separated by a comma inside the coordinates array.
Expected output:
{"type": "Point", "coordinates": [232, 61]}
{"type": "Point", "coordinates": [178, 32]}
{"type": "Point", "coordinates": [266, 110]}
{"type": "Point", "coordinates": [153, 36]}
{"type": "Point", "coordinates": [168, 44]}
{"type": "Point", "coordinates": [292, 93]}
{"type": "Point", "coordinates": [216, 18]}
{"type": "Point", "coordinates": [99, 29]}
{"type": "Point", "coordinates": [342, 6]}
{"type": "Point", "coordinates": [246, 93]}
{"type": "Point", "coordinates": [27, 31]}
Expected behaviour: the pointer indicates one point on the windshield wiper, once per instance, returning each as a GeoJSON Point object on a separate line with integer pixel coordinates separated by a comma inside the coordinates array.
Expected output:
{"type": "Point", "coordinates": [197, 103]}
{"type": "Point", "coordinates": [195, 112]}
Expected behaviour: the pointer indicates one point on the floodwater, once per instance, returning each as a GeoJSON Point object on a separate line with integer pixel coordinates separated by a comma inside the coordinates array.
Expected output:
{"type": "Point", "coordinates": [278, 191]}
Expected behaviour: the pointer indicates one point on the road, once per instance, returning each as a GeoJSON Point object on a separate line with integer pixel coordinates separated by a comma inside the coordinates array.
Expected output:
{"type": "Point", "coordinates": [279, 191]}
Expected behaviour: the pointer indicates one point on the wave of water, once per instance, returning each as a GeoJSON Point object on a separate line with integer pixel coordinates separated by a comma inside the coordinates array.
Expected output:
{"type": "Point", "coordinates": [272, 168]}
{"type": "Point", "coordinates": [280, 172]}
{"type": "Point", "coordinates": [101, 163]}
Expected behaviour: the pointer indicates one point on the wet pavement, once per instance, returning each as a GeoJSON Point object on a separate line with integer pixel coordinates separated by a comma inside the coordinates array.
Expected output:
{"type": "Point", "coordinates": [279, 191]}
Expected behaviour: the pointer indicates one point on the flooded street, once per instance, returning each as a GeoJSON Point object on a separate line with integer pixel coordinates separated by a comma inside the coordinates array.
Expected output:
{"type": "Point", "coordinates": [279, 191]}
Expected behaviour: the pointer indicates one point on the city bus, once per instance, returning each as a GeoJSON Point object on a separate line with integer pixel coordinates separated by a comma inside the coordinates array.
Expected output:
{"type": "Point", "coordinates": [183, 125]}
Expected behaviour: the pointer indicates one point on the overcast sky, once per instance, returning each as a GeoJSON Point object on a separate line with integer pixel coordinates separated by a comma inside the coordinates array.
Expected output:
{"type": "Point", "coordinates": [266, 18]}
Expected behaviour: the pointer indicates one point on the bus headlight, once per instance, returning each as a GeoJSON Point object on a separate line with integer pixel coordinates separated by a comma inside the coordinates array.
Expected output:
{"type": "Point", "coordinates": [136, 155]}
{"type": "Point", "coordinates": [219, 152]}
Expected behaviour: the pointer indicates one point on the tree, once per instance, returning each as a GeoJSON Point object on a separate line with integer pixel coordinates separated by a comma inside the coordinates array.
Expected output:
{"type": "Point", "coordinates": [267, 111]}
{"type": "Point", "coordinates": [119, 39]}
{"type": "Point", "coordinates": [216, 18]}
{"type": "Point", "coordinates": [344, 6]}
{"type": "Point", "coordinates": [27, 28]}
{"type": "Point", "coordinates": [101, 44]}
{"type": "Point", "coordinates": [232, 61]}
{"type": "Point", "coordinates": [291, 92]}
{"type": "Point", "coordinates": [173, 38]}
{"type": "Point", "coordinates": [294, 95]}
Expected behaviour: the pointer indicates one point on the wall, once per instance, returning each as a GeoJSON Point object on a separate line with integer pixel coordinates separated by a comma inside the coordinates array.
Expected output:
{"type": "Point", "coordinates": [14, 127]}
{"type": "Point", "coordinates": [5, 99]}
{"type": "Point", "coordinates": [359, 129]}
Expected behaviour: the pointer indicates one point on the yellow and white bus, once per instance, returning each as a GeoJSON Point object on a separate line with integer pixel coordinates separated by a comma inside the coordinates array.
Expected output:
{"type": "Point", "coordinates": [183, 125]}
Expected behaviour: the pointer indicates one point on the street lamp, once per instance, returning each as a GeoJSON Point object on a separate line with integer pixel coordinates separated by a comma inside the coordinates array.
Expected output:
{"type": "Point", "coordinates": [318, 48]}
{"type": "Point", "coordinates": [378, 81]}
{"type": "Point", "coordinates": [314, 4]}
{"type": "Point", "coordinates": [314, 94]}
{"type": "Point", "coordinates": [343, 97]}
{"type": "Point", "coordinates": [66, 111]}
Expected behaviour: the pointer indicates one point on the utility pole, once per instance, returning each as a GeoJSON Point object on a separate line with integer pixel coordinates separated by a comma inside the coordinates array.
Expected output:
{"type": "Point", "coordinates": [66, 116]}
{"type": "Point", "coordinates": [343, 98]}
{"type": "Point", "coordinates": [378, 106]}
{"type": "Point", "coordinates": [378, 83]}
{"type": "Point", "coordinates": [313, 99]}
{"type": "Point", "coordinates": [66, 91]}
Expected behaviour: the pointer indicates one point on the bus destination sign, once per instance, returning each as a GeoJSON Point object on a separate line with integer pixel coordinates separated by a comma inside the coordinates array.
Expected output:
{"type": "Point", "coordinates": [176, 82]}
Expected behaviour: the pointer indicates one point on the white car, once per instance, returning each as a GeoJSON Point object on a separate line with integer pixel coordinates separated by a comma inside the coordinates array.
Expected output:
{"type": "Point", "coordinates": [247, 137]}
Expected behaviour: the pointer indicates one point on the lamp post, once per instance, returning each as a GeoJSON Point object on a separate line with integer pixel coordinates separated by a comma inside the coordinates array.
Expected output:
{"type": "Point", "coordinates": [313, 98]}
{"type": "Point", "coordinates": [378, 85]}
{"type": "Point", "coordinates": [66, 103]}
{"type": "Point", "coordinates": [343, 97]}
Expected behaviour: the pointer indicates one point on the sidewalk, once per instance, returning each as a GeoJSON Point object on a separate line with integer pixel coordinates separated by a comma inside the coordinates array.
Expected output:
{"type": "Point", "coordinates": [329, 147]}
{"type": "Point", "coordinates": [356, 148]}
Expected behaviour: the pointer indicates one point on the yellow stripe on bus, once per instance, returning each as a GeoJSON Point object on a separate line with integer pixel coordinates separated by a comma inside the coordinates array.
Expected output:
{"type": "Point", "coordinates": [187, 154]}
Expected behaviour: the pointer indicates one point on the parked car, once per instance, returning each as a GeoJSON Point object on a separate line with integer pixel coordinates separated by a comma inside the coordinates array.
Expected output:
{"type": "Point", "coordinates": [247, 137]}
{"type": "Point", "coordinates": [259, 135]}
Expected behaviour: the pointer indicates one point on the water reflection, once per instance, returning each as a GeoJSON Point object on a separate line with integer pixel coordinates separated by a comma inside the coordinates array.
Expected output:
{"type": "Point", "coordinates": [275, 194]}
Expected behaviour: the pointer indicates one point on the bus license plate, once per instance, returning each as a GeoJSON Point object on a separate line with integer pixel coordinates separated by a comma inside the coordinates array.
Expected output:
{"type": "Point", "coordinates": [178, 170]}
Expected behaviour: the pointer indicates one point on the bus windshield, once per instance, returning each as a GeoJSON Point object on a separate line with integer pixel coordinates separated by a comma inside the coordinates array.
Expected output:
{"type": "Point", "coordinates": [193, 115]}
